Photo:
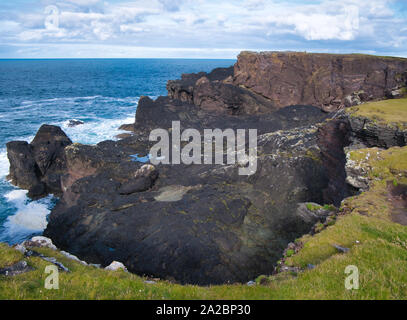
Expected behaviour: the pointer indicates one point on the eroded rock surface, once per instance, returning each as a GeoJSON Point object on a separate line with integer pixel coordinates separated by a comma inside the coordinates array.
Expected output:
{"type": "Point", "coordinates": [38, 166]}
{"type": "Point", "coordinates": [374, 134]}
{"type": "Point", "coordinates": [206, 224]}
{"type": "Point", "coordinates": [201, 224]}
{"type": "Point", "coordinates": [324, 80]}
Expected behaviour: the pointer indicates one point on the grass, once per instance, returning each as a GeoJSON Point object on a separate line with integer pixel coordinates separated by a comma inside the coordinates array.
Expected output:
{"type": "Point", "coordinates": [378, 248]}
{"type": "Point", "coordinates": [315, 207]}
{"type": "Point", "coordinates": [387, 112]}
{"type": "Point", "coordinates": [381, 257]}
{"type": "Point", "coordinates": [382, 164]}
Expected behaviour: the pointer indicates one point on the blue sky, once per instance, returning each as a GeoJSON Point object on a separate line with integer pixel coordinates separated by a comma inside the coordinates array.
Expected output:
{"type": "Point", "coordinates": [199, 28]}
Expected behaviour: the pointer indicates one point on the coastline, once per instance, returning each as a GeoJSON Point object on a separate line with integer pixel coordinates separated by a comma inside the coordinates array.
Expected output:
{"type": "Point", "coordinates": [233, 228]}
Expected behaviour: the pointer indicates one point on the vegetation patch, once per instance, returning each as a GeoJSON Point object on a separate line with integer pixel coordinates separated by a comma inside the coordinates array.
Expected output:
{"type": "Point", "coordinates": [377, 247]}
{"type": "Point", "coordinates": [391, 112]}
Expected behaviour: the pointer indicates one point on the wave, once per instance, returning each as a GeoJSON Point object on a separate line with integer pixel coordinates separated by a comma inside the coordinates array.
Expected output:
{"type": "Point", "coordinates": [95, 131]}
{"type": "Point", "coordinates": [26, 103]}
{"type": "Point", "coordinates": [30, 216]}
{"type": "Point", "coordinates": [27, 217]}
{"type": "Point", "coordinates": [4, 164]}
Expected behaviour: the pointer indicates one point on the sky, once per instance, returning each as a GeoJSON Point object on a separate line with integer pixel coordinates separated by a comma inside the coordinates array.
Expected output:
{"type": "Point", "coordinates": [199, 28]}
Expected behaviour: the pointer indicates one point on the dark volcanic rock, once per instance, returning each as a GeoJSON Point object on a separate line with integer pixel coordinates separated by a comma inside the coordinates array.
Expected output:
{"type": "Point", "coordinates": [144, 179]}
{"type": "Point", "coordinates": [24, 171]}
{"type": "Point", "coordinates": [127, 127]}
{"type": "Point", "coordinates": [333, 137]}
{"type": "Point", "coordinates": [38, 166]}
{"type": "Point", "coordinates": [16, 269]}
{"type": "Point", "coordinates": [205, 224]}
{"type": "Point", "coordinates": [201, 224]}
{"type": "Point", "coordinates": [183, 89]}
{"type": "Point", "coordinates": [75, 123]}
{"type": "Point", "coordinates": [374, 134]}
{"type": "Point", "coordinates": [163, 111]}
{"type": "Point", "coordinates": [215, 92]}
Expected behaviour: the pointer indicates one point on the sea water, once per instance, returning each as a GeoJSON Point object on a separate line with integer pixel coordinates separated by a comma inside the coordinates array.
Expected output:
{"type": "Point", "coordinates": [103, 93]}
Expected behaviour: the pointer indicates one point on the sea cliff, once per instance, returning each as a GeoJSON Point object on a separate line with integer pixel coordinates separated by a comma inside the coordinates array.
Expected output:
{"type": "Point", "coordinates": [205, 224]}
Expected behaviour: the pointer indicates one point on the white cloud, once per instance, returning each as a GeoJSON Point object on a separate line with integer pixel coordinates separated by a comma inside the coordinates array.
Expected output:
{"type": "Point", "coordinates": [84, 2]}
{"type": "Point", "coordinates": [262, 24]}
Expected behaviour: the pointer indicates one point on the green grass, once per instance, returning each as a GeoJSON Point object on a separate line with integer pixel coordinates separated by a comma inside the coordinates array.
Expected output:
{"type": "Point", "coordinates": [378, 247]}
{"type": "Point", "coordinates": [387, 112]}
{"type": "Point", "coordinates": [313, 207]}
{"type": "Point", "coordinates": [381, 257]}
{"type": "Point", "coordinates": [382, 164]}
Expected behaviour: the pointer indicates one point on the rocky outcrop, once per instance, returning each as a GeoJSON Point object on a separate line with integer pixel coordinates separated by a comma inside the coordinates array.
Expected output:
{"type": "Point", "coordinates": [201, 224]}
{"type": "Point", "coordinates": [16, 269]}
{"type": "Point", "coordinates": [183, 89]}
{"type": "Point", "coordinates": [74, 123]}
{"type": "Point", "coordinates": [374, 134]}
{"type": "Point", "coordinates": [261, 83]}
{"type": "Point", "coordinates": [357, 173]}
{"type": "Point", "coordinates": [38, 166]}
{"type": "Point", "coordinates": [215, 92]}
{"type": "Point", "coordinates": [205, 224]}
{"type": "Point", "coordinates": [115, 266]}
{"type": "Point", "coordinates": [333, 137]}
{"type": "Point", "coordinates": [324, 80]}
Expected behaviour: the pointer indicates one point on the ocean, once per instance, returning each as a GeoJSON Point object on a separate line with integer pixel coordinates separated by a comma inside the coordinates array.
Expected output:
{"type": "Point", "coordinates": [103, 93]}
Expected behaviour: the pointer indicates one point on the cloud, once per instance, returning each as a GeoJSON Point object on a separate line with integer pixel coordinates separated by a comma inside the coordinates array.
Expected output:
{"type": "Point", "coordinates": [324, 25]}
{"type": "Point", "coordinates": [84, 2]}
{"type": "Point", "coordinates": [172, 5]}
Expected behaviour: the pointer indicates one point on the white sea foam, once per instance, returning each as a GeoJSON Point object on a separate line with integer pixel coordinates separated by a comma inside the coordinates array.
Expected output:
{"type": "Point", "coordinates": [80, 99]}
{"type": "Point", "coordinates": [44, 101]}
{"type": "Point", "coordinates": [4, 164]}
{"type": "Point", "coordinates": [95, 131]}
{"type": "Point", "coordinates": [30, 216]}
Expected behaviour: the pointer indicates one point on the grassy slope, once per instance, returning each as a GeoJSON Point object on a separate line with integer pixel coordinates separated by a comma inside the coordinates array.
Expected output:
{"type": "Point", "coordinates": [378, 247]}
{"type": "Point", "coordinates": [391, 112]}
{"type": "Point", "coordinates": [380, 255]}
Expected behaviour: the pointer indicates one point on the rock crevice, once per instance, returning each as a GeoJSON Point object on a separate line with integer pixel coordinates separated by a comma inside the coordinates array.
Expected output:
{"type": "Point", "coordinates": [205, 224]}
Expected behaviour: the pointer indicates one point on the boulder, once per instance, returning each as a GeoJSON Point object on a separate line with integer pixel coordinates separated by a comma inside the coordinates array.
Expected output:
{"type": "Point", "coordinates": [24, 171]}
{"type": "Point", "coordinates": [16, 269]}
{"type": "Point", "coordinates": [115, 266]}
{"type": "Point", "coordinates": [312, 213]}
{"type": "Point", "coordinates": [40, 242]}
{"type": "Point", "coordinates": [143, 180]}
{"type": "Point", "coordinates": [341, 249]}
{"type": "Point", "coordinates": [38, 166]}
{"type": "Point", "coordinates": [74, 123]}
{"type": "Point", "coordinates": [127, 127]}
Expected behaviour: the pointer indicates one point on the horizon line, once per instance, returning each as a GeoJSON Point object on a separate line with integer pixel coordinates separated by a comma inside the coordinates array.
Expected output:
{"type": "Point", "coordinates": [129, 58]}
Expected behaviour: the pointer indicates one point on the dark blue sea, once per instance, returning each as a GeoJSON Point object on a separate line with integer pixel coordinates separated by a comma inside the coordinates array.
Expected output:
{"type": "Point", "coordinates": [102, 92]}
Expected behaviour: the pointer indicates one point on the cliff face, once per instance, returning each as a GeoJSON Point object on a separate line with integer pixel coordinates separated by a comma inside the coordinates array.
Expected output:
{"type": "Point", "coordinates": [324, 80]}
{"type": "Point", "coordinates": [215, 92]}
{"type": "Point", "coordinates": [38, 166]}
{"type": "Point", "coordinates": [205, 224]}
{"type": "Point", "coordinates": [262, 83]}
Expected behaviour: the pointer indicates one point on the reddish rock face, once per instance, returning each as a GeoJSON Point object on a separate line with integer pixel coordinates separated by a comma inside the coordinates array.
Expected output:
{"type": "Point", "coordinates": [324, 80]}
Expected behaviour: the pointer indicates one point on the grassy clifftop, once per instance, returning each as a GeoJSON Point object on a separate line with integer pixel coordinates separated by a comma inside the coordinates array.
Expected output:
{"type": "Point", "coordinates": [371, 227]}
{"type": "Point", "coordinates": [387, 112]}
{"type": "Point", "coordinates": [377, 243]}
